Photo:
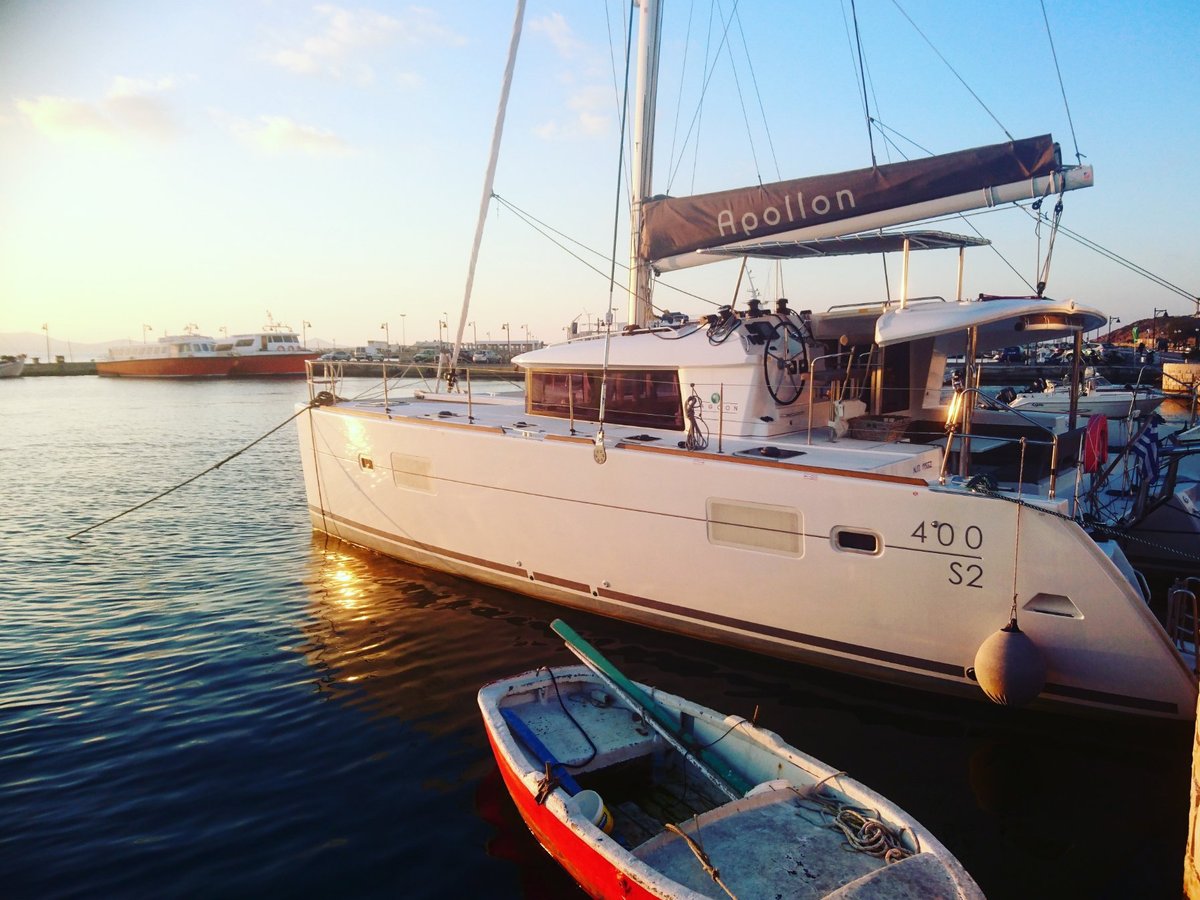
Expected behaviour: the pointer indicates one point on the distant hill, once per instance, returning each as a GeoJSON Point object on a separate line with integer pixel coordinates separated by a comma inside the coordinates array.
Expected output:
{"type": "Point", "coordinates": [33, 343]}
{"type": "Point", "coordinates": [1179, 330]}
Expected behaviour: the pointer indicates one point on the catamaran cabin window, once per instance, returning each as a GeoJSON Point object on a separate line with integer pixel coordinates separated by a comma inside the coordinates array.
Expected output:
{"type": "Point", "coordinates": [646, 398]}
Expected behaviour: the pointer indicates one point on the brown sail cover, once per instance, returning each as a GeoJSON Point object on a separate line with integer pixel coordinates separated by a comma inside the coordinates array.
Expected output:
{"type": "Point", "coordinates": [675, 225]}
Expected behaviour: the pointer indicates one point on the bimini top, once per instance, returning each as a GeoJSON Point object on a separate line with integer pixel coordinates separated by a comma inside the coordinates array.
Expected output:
{"type": "Point", "coordinates": [850, 245]}
{"type": "Point", "coordinates": [1001, 322]}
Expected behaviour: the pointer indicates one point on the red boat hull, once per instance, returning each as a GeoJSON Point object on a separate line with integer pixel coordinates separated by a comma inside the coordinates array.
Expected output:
{"type": "Point", "coordinates": [170, 367]}
{"type": "Point", "coordinates": [274, 365]}
{"type": "Point", "coordinates": [591, 871]}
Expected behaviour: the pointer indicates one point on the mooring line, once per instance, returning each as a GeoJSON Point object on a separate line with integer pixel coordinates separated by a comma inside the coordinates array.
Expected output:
{"type": "Point", "coordinates": [218, 465]}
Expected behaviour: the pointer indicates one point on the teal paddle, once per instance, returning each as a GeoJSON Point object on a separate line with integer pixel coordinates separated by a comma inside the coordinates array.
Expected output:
{"type": "Point", "coordinates": [713, 767]}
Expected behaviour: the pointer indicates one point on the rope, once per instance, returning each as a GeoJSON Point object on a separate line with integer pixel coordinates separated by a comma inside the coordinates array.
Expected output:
{"type": "Point", "coordinates": [696, 432]}
{"type": "Point", "coordinates": [1017, 536]}
{"type": "Point", "coordinates": [864, 833]}
{"type": "Point", "coordinates": [869, 835]}
{"type": "Point", "coordinates": [709, 869]}
{"type": "Point", "coordinates": [319, 401]}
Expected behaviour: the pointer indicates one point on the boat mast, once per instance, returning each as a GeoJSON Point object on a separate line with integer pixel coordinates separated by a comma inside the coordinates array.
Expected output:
{"type": "Point", "coordinates": [488, 180]}
{"type": "Point", "coordinates": [643, 156]}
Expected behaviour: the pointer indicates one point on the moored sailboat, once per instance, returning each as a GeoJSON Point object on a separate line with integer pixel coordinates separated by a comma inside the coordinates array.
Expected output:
{"type": "Point", "coordinates": [786, 481]}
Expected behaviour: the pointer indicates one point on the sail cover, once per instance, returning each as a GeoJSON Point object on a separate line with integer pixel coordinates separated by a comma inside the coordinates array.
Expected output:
{"type": "Point", "coordinates": [681, 225]}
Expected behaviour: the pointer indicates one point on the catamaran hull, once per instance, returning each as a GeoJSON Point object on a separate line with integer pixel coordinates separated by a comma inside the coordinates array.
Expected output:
{"type": "Point", "coordinates": [878, 576]}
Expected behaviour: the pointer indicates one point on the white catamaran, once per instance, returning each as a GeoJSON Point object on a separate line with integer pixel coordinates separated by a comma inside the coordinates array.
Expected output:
{"type": "Point", "coordinates": [785, 481]}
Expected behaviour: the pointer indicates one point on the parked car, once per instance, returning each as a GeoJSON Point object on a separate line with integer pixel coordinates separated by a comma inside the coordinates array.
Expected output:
{"type": "Point", "coordinates": [486, 357]}
{"type": "Point", "coordinates": [336, 356]}
{"type": "Point", "coordinates": [425, 356]}
{"type": "Point", "coordinates": [1012, 355]}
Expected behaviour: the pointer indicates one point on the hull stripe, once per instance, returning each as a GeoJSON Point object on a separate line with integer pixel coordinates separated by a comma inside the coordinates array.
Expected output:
{"type": "Point", "coordinates": [1067, 692]}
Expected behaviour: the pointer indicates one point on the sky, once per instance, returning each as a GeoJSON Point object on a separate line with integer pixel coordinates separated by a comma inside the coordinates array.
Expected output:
{"type": "Point", "coordinates": [169, 164]}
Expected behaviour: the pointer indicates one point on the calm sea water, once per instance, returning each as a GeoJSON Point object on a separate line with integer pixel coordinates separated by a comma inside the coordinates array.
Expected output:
{"type": "Point", "coordinates": [203, 698]}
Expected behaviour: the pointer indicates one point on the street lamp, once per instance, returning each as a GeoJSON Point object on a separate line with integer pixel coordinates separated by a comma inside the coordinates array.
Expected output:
{"type": "Point", "coordinates": [527, 344]}
{"type": "Point", "coordinates": [507, 340]}
{"type": "Point", "coordinates": [474, 336]}
{"type": "Point", "coordinates": [387, 337]}
{"type": "Point", "coordinates": [443, 322]}
{"type": "Point", "coordinates": [1111, 320]}
{"type": "Point", "coordinates": [1154, 322]}
{"type": "Point", "coordinates": [46, 328]}
{"type": "Point", "coordinates": [304, 326]}
{"type": "Point", "coordinates": [403, 339]}
{"type": "Point", "coordinates": [145, 329]}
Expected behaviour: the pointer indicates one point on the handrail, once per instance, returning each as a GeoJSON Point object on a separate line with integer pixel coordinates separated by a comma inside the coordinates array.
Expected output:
{"type": "Point", "coordinates": [811, 380]}
{"type": "Point", "coordinates": [957, 406]}
{"type": "Point", "coordinates": [884, 304]}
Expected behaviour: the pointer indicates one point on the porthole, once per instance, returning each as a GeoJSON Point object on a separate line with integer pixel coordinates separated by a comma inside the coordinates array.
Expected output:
{"type": "Point", "coordinates": [852, 540]}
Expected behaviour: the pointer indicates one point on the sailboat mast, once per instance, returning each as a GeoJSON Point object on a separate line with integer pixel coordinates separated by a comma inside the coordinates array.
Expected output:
{"type": "Point", "coordinates": [488, 181]}
{"type": "Point", "coordinates": [643, 156]}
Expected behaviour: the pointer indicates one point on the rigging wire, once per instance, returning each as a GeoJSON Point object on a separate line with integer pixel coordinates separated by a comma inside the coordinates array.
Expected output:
{"type": "Point", "coordinates": [954, 71]}
{"type": "Point", "coordinates": [857, 51]}
{"type": "Point", "coordinates": [1078, 156]}
{"type": "Point", "coordinates": [1122, 261]}
{"type": "Point", "coordinates": [703, 90]}
{"type": "Point", "coordinates": [883, 129]}
{"type": "Point", "coordinates": [682, 78]}
{"type": "Point", "coordinates": [863, 80]}
{"type": "Point", "coordinates": [757, 95]}
{"type": "Point", "coordinates": [544, 230]}
{"type": "Point", "coordinates": [617, 92]}
{"type": "Point", "coordinates": [598, 452]}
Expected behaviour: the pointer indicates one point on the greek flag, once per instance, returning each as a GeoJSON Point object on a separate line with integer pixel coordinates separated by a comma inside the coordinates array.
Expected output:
{"type": "Point", "coordinates": [1145, 451]}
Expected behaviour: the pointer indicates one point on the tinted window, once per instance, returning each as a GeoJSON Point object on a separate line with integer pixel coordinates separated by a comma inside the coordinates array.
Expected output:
{"type": "Point", "coordinates": [646, 398]}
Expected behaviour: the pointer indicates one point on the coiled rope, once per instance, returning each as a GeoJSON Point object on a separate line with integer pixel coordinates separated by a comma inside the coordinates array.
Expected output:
{"type": "Point", "coordinates": [322, 399]}
{"type": "Point", "coordinates": [864, 833]}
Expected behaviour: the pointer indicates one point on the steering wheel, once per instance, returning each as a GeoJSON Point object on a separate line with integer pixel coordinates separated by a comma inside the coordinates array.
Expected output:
{"type": "Point", "coordinates": [783, 367]}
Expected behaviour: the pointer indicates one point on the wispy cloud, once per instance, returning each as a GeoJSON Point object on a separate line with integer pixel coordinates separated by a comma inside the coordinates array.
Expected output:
{"type": "Point", "coordinates": [343, 41]}
{"type": "Point", "coordinates": [132, 108]}
{"type": "Point", "coordinates": [588, 104]}
{"type": "Point", "coordinates": [555, 28]}
{"type": "Point", "coordinates": [278, 135]}
{"type": "Point", "coordinates": [589, 114]}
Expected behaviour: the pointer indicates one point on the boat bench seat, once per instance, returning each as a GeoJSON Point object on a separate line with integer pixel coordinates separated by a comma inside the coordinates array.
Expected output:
{"type": "Point", "coordinates": [612, 729]}
{"type": "Point", "coordinates": [765, 845]}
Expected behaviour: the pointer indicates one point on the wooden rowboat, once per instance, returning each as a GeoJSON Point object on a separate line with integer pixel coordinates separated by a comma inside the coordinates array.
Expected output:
{"type": "Point", "coordinates": [640, 793]}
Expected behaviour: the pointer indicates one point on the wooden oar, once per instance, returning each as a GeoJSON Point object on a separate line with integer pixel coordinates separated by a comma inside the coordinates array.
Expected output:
{"type": "Point", "coordinates": [710, 764]}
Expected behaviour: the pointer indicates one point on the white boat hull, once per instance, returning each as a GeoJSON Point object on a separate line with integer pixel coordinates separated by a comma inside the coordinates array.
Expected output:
{"type": "Point", "coordinates": [746, 552]}
{"type": "Point", "coordinates": [1118, 405]}
{"type": "Point", "coordinates": [12, 368]}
